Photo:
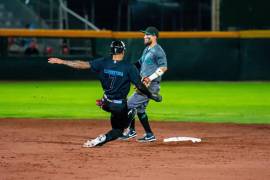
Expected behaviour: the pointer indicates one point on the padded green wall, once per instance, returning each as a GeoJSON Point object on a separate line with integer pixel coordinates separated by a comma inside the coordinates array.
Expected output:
{"type": "Point", "coordinates": [188, 59]}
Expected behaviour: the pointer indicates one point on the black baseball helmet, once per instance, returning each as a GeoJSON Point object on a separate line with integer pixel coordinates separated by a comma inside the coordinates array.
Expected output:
{"type": "Point", "coordinates": [117, 47]}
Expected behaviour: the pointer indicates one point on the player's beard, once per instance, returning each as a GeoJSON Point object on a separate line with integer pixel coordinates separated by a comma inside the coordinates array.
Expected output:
{"type": "Point", "coordinates": [147, 41]}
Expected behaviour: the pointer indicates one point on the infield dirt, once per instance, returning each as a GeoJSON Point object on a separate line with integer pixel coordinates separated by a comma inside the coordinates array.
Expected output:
{"type": "Point", "coordinates": [52, 149]}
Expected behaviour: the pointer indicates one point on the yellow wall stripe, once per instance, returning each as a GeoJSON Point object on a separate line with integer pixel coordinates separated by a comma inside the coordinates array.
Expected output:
{"type": "Point", "coordinates": [128, 35]}
{"type": "Point", "coordinates": [55, 33]}
{"type": "Point", "coordinates": [199, 34]}
{"type": "Point", "coordinates": [255, 34]}
{"type": "Point", "coordinates": [170, 34]}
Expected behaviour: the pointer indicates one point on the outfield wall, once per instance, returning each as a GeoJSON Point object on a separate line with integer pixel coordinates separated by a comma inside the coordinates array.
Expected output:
{"type": "Point", "coordinates": [233, 56]}
{"type": "Point", "coordinates": [188, 59]}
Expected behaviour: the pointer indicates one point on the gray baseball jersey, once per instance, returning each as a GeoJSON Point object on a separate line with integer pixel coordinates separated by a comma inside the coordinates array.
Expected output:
{"type": "Point", "coordinates": [152, 59]}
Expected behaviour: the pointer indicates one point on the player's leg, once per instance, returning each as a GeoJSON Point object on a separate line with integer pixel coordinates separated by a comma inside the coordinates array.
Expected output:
{"type": "Point", "coordinates": [144, 121]}
{"type": "Point", "coordinates": [142, 115]}
{"type": "Point", "coordinates": [131, 117]}
{"type": "Point", "coordinates": [118, 122]}
{"type": "Point", "coordinates": [116, 131]}
{"type": "Point", "coordinates": [149, 135]}
{"type": "Point", "coordinates": [130, 132]}
{"type": "Point", "coordinates": [133, 103]}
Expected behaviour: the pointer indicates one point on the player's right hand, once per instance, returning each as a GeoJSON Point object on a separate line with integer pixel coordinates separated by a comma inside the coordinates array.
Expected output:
{"type": "Point", "coordinates": [146, 81]}
{"type": "Point", "coordinates": [55, 61]}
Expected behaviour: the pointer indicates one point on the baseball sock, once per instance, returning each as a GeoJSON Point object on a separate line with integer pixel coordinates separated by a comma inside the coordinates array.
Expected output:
{"type": "Point", "coordinates": [131, 117]}
{"type": "Point", "coordinates": [144, 120]}
{"type": "Point", "coordinates": [113, 134]}
{"type": "Point", "coordinates": [132, 124]}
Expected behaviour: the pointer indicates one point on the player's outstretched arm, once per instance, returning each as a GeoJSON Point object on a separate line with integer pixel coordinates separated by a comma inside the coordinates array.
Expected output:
{"type": "Point", "coordinates": [77, 64]}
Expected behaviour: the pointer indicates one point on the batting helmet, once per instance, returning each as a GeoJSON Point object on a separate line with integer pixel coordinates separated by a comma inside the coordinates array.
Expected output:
{"type": "Point", "coordinates": [117, 47]}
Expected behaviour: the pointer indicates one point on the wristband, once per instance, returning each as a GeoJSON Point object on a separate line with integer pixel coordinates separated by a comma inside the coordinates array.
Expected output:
{"type": "Point", "coordinates": [156, 74]}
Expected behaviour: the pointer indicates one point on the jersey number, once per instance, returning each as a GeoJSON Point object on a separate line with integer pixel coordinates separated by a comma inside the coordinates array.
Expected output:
{"type": "Point", "coordinates": [112, 80]}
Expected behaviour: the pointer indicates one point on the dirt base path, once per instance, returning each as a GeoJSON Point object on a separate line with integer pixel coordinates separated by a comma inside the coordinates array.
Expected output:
{"type": "Point", "coordinates": [49, 149]}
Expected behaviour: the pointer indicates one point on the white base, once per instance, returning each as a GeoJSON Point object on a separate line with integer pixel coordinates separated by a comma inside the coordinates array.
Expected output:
{"type": "Point", "coordinates": [176, 139]}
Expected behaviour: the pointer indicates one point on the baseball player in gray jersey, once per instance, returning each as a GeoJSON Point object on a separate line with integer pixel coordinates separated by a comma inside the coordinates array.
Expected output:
{"type": "Point", "coordinates": [152, 65]}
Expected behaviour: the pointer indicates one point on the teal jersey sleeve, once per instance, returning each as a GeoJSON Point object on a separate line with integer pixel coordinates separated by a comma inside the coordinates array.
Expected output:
{"type": "Point", "coordinates": [97, 64]}
{"type": "Point", "coordinates": [161, 58]}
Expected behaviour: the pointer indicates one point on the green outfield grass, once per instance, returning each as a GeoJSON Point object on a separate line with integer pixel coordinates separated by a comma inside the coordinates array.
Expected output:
{"type": "Point", "coordinates": [240, 102]}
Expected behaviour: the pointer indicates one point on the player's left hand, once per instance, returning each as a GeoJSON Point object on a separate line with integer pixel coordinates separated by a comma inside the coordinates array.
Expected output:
{"type": "Point", "coordinates": [55, 61]}
{"type": "Point", "coordinates": [146, 81]}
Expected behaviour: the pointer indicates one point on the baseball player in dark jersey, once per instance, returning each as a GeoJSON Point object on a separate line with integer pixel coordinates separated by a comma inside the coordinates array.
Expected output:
{"type": "Point", "coordinates": [115, 76]}
{"type": "Point", "coordinates": [152, 65]}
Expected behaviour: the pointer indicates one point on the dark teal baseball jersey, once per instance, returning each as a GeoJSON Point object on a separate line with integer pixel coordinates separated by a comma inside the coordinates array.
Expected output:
{"type": "Point", "coordinates": [115, 76]}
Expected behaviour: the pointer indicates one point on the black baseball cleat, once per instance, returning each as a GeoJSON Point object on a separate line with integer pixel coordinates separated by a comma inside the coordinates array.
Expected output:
{"type": "Point", "coordinates": [148, 137]}
{"type": "Point", "coordinates": [130, 134]}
